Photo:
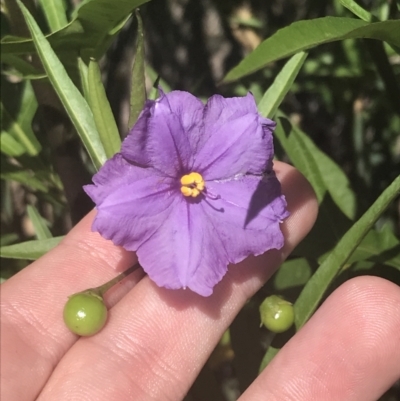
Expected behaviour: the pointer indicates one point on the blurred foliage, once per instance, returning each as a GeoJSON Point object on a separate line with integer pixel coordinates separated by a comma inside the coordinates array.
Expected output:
{"type": "Point", "coordinates": [337, 108]}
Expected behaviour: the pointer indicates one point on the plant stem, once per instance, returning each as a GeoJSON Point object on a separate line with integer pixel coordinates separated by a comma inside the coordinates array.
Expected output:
{"type": "Point", "coordinates": [101, 290]}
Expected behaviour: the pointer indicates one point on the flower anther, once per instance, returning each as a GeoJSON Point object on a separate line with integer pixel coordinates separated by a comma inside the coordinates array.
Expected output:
{"type": "Point", "coordinates": [192, 184]}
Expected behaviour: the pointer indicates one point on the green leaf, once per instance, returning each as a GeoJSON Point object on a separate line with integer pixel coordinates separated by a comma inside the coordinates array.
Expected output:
{"type": "Point", "coordinates": [303, 35]}
{"type": "Point", "coordinates": [357, 10]}
{"type": "Point", "coordinates": [74, 103]}
{"type": "Point", "coordinates": [103, 115]}
{"type": "Point", "coordinates": [269, 355]}
{"type": "Point", "coordinates": [9, 146]}
{"type": "Point", "coordinates": [71, 37]}
{"type": "Point", "coordinates": [94, 23]}
{"type": "Point", "coordinates": [30, 250]}
{"type": "Point", "coordinates": [300, 154]}
{"type": "Point", "coordinates": [11, 172]}
{"type": "Point", "coordinates": [157, 82]}
{"type": "Point", "coordinates": [282, 83]}
{"type": "Point", "coordinates": [378, 246]}
{"type": "Point", "coordinates": [19, 124]}
{"type": "Point", "coordinates": [292, 273]}
{"type": "Point", "coordinates": [54, 12]}
{"type": "Point", "coordinates": [83, 74]}
{"type": "Point", "coordinates": [23, 69]}
{"type": "Point", "coordinates": [138, 87]}
{"type": "Point", "coordinates": [322, 172]}
{"type": "Point", "coordinates": [39, 223]}
{"type": "Point", "coordinates": [316, 287]}
{"type": "Point", "coordinates": [335, 180]}
{"type": "Point", "coordinates": [24, 177]}
{"type": "Point", "coordinates": [7, 239]}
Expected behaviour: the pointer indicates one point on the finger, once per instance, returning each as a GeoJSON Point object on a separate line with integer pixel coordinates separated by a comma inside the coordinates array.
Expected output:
{"type": "Point", "coordinates": [349, 350]}
{"type": "Point", "coordinates": [34, 337]}
{"type": "Point", "coordinates": [157, 340]}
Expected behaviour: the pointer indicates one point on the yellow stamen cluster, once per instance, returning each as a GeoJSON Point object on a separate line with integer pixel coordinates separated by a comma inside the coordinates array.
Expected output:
{"type": "Point", "coordinates": [192, 184]}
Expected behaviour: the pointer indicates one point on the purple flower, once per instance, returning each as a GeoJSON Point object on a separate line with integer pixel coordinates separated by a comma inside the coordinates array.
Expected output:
{"type": "Point", "coordinates": [192, 189]}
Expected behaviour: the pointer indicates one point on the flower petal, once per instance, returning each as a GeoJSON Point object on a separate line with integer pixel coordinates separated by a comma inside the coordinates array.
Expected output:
{"type": "Point", "coordinates": [247, 215]}
{"type": "Point", "coordinates": [240, 139]}
{"type": "Point", "coordinates": [161, 136]}
{"type": "Point", "coordinates": [115, 172]}
{"type": "Point", "coordinates": [183, 253]}
{"type": "Point", "coordinates": [190, 111]}
{"type": "Point", "coordinates": [132, 202]}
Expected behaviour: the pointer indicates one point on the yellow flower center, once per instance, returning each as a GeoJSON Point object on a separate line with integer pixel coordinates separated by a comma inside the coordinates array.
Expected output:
{"type": "Point", "coordinates": [192, 184]}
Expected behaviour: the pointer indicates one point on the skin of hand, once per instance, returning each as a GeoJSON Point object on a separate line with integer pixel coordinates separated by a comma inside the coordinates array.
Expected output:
{"type": "Point", "coordinates": [156, 340]}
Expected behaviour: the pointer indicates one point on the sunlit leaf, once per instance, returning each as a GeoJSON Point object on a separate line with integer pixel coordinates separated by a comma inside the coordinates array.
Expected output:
{"type": "Point", "coordinates": [138, 86]}
{"type": "Point", "coordinates": [54, 12]}
{"type": "Point", "coordinates": [7, 239]}
{"type": "Point", "coordinates": [94, 21]}
{"type": "Point", "coordinates": [39, 224]}
{"type": "Point", "coordinates": [74, 103]}
{"type": "Point", "coordinates": [103, 115]}
{"type": "Point", "coordinates": [316, 287]}
{"type": "Point", "coordinates": [300, 154]}
{"type": "Point", "coordinates": [292, 273]}
{"type": "Point", "coordinates": [22, 68]}
{"type": "Point", "coordinates": [10, 146]}
{"type": "Point", "coordinates": [30, 250]}
{"type": "Point", "coordinates": [303, 35]}
{"type": "Point", "coordinates": [322, 172]}
{"type": "Point", "coordinates": [357, 10]}
{"type": "Point", "coordinates": [379, 246]}
{"type": "Point", "coordinates": [20, 126]}
{"type": "Point", "coordinates": [273, 97]}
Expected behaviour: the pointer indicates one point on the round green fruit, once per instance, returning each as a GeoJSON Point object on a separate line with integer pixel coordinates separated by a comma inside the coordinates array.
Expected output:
{"type": "Point", "coordinates": [277, 314]}
{"type": "Point", "coordinates": [85, 313]}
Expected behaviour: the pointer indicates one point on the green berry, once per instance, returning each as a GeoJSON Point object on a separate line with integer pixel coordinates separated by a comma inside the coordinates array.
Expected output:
{"type": "Point", "coordinates": [277, 314]}
{"type": "Point", "coordinates": [85, 313]}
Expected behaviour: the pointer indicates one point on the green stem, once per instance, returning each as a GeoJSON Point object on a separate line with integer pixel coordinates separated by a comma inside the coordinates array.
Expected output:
{"type": "Point", "coordinates": [101, 290]}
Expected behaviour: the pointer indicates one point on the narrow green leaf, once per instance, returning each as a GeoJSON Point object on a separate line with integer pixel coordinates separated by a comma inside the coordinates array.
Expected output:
{"type": "Point", "coordinates": [22, 67]}
{"type": "Point", "coordinates": [316, 287]}
{"type": "Point", "coordinates": [282, 83]}
{"type": "Point", "coordinates": [39, 223]}
{"type": "Point", "coordinates": [20, 127]}
{"type": "Point", "coordinates": [7, 239]}
{"type": "Point", "coordinates": [54, 11]}
{"type": "Point", "coordinates": [138, 87]}
{"type": "Point", "coordinates": [24, 177]}
{"type": "Point", "coordinates": [26, 114]}
{"type": "Point", "coordinates": [292, 273]}
{"type": "Point", "coordinates": [83, 74]}
{"type": "Point", "coordinates": [269, 355]}
{"type": "Point", "coordinates": [300, 154]}
{"type": "Point", "coordinates": [9, 146]}
{"type": "Point", "coordinates": [10, 172]}
{"type": "Point", "coordinates": [322, 172]}
{"type": "Point", "coordinates": [378, 246]}
{"type": "Point", "coordinates": [74, 103]}
{"type": "Point", "coordinates": [357, 10]}
{"type": "Point", "coordinates": [335, 180]}
{"type": "Point", "coordinates": [303, 35]}
{"type": "Point", "coordinates": [103, 115]}
{"type": "Point", "coordinates": [30, 250]}
{"type": "Point", "coordinates": [71, 37]}
{"type": "Point", "coordinates": [93, 23]}
{"type": "Point", "coordinates": [157, 80]}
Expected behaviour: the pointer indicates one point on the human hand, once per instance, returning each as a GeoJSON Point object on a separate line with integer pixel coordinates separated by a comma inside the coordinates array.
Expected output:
{"type": "Point", "coordinates": [156, 340]}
